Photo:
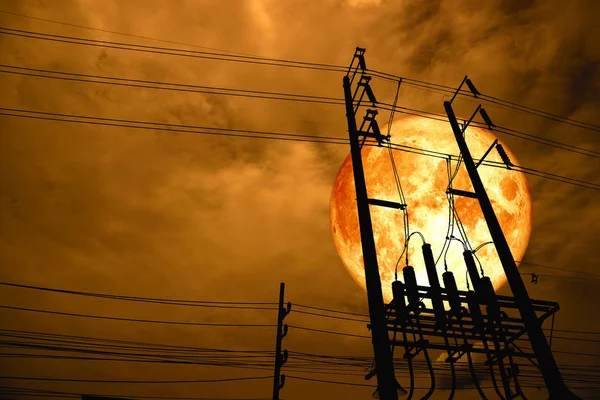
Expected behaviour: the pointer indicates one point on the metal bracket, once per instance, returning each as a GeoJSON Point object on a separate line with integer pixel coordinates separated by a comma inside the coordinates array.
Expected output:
{"type": "Point", "coordinates": [462, 193]}
{"type": "Point", "coordinates": [418, 346]}
{"type": "Point", "coordinates": [460, 352]}
{"type": "Point", "coordinates": [385, 203]}
{"type": "Point", "coordinates": [486, 153]}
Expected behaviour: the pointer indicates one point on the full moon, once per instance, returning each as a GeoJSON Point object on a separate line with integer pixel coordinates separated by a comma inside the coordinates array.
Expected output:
{"type": "Point", "coordinates": [424, 182]}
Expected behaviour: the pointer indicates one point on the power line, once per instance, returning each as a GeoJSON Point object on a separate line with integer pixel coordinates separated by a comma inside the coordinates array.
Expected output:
{"type": "Point", "coordinates": [330, 316]}
{"type": "Point", "coordinates": [128, 342]}
{"type": "Point", "coordinates": [558, 269]}
{"type": "Point", "coordinates": [28, 378]}
{"type": "Point", "coordinates": [329, 332]}
{"type": "Point", "coordinates": [330, 310]}
{"type": "Point", "coordinates": [178, 302]}
{"type": "Point", "coordinates": [563, 276]}
{"type": "Point", "coordinates": [449, 90]}
{"type": "Point", "coordinates": [242, 133]}
{"type": "Point", "coordinates": [132, 319]}
{"type": "Point", "coordinates": [171, 51]}
{"type": "Point", "coordinates": [137, 83]}
{"type": "Point", "coordinates": [81, 119]}
{"type": "Point", "coordinates": [576, 353]}
{"type": "Point", "coordinates": [119, 33]}
{"type": "Point", "coordinates": [578, 332]}
{"type": "Point", "coordinates": [326, 381]}
{"type": "Point", "coordinates": [32, 392]}
{"type": "Point", "coordinates": [294, 64]}
{"type": "Point", "coordinates": [498, 129]}
{"type": "Point", "coordinates": [438, 388]}
{"type": "Point", "coordinates": [179, 87]}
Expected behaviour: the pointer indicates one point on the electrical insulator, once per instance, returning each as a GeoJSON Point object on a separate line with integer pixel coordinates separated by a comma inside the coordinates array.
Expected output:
{"type": "Point", "coordinates": [399, 302]}
{"type": "Point", "coordinates": [410, 280]}
{"type": "Point", "coordinates": [370, 94]}
{"type": "Point", "coordinates": [488, 297]}
{"type": "Point", "coordinates": [360, 54]}
{"type": "Point", "coordinates": [434, 283]}
{"type": "Point", "coordinates": [485, 289]}
{"type": "Point", "coordinates": [486, 118]}
{"type": "Point", "coordinates": [432, 275]}
{"type": "Point", "coordinates": [471, 267]}
{"type": "Point", "coordinates": [503, 155]}
{"type": "Point", "coordinates": [472, 87]}
{"type": "Point", "coordinates": [475, 310]}
{"type": "Point", "coordinates": [452, 291]}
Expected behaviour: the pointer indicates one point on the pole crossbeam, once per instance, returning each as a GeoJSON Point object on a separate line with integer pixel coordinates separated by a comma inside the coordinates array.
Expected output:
{"type": "Point", "coordinates": [464, 327]}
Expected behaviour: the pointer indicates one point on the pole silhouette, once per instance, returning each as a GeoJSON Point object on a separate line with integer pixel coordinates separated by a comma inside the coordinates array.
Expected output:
{"type": "Point", "coordinates": [386, 381]}
{"type": "Point", "coordinates": [547, 364]}
{"type": "Point", "coordinates": [280, 358]}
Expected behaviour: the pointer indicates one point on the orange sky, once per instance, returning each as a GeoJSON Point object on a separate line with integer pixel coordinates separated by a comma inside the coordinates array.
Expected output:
{"type": "Point", "coordinates": [160, 214]}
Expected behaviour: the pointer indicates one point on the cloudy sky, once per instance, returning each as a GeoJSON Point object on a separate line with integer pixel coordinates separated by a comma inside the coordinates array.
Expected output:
{"type": "Point", "coordinates": [179, 215]}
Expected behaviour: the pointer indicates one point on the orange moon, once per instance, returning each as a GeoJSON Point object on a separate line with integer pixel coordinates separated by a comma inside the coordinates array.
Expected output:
{"type": "Point", "coordinates": [424, 181]}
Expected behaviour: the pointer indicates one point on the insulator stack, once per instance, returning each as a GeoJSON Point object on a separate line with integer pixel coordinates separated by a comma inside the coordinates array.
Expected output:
{"type": "Point", "coordinates": [486, 118]}
{"type": "Point", "coordinates": [434, 283]}
{"type": "Point", "coordinates": [475, 310]}
{"type": "Point", "coordinates": [503, 156]}
{"type": "Point", "coordinates": [410, 280]}
{"type": "Point", "coordinates": [432, 275]}
{"type": "Point", "coordinates": [399, 302]}
{"type": "Point", "coordinates": [452, 291]}
{"type": "Point", "coordinates": [471, 268]}
{"type": "Point", "coordinates": [485, 290]}
{"type": "Point", "coordinates": [472, 87]}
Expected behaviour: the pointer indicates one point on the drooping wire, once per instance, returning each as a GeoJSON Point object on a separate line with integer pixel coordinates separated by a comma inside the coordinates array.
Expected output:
{"type": "Point", "coordinates": [228, 132]}
{"type": "Point", "coordinates": [477, 258]}
{"type": "Point", "coordinates": [480, 265]}
{"type": "Point", "coordinates": [449, 231]}
{"type": "Point", "coordinates": [455, 221]}
{"type": "Point", "coordinates": [398, 184]}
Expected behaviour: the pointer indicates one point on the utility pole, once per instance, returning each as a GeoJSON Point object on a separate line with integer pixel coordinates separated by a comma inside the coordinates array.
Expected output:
{"type": "Point", "coordinates": [386, 381]}
{"type": "Point", "coordinates": [547, 364]}
{"type": "Point", "coordinates": [280, 358]}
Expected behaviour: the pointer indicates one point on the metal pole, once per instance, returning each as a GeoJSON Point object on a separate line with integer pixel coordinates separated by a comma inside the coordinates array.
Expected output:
{"type": "Point", "coordinates": [547, 364]}
{"type": "Point", "coordinates": [386, 381]}
{"type": "Point", "coordinates": [281, 313]}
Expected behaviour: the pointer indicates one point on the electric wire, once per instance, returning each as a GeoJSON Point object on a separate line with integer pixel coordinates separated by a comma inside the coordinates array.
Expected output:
{"type": "Point", "coordinates": [170, 51]}
{"type": "Point", "coordinates": [178, 302]}
{"type": "Point", "coordinates": [297, 64]}
{"type": "Point", "coordinates": [105, 317]}
{"type": "Point", "coordinates": [329, 332]}
{"type": "Point", "coordinates": [330, 310]}
{"type": "Point", "coordinates": [330, 316]}
{"type": "Point", "coordinates": [449, 90]}
{"type": "Point", "coordinates": [118, 33]}
{"type": "Point", "coordinates": [80, 119]}
{"type": "Point", "coordinates": [562, 277]}
{"type": "Point", "coordinates": [124, 381]}
{"type": "Point", "coordinates": [41, 392]}
{"type": "Point", "coordinates": [99, 79]}
{"type": "Point", "coordinates": [556, 268]}
{"type": "Point", "coordinates": [178, 87]}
